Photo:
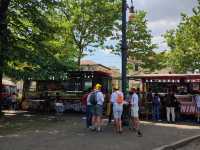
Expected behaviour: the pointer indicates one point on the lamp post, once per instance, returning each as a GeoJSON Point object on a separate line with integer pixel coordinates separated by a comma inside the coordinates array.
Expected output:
{"type": "Point", "coordinates": [124, 48]}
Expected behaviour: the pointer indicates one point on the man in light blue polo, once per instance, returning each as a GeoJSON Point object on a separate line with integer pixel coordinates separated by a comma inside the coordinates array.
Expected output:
{"type": "Point", "coordinates": [97, 107]}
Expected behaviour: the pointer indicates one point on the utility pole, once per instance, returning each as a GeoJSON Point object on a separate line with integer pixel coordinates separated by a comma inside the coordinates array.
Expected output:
{"type": "Point", "coordinates": [124, 48]}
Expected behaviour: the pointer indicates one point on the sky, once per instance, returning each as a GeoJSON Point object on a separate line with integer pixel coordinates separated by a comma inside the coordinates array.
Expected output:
{"type": "Point", "coordinates": [162, 15]}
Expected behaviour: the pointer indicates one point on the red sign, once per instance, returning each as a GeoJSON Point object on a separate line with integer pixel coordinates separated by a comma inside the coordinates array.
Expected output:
{"type": "Point", "coordinates": [188, 108]}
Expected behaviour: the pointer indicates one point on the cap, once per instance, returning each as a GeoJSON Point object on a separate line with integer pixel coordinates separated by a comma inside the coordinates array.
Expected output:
{"type": "Point", "coordinates": [98, 86]}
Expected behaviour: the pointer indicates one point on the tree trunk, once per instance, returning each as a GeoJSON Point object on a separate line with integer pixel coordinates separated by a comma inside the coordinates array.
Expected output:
{"type": "Point", "coordinates": [26, 86]}
{"type": "Point", "coordinates": [1, 78]}
{"type": "Point", "coordinates": [3, 38]}
{"type": "Point", "coordinates": [80, 55]}
{"type": "Point", "coordinates": [79, 62]}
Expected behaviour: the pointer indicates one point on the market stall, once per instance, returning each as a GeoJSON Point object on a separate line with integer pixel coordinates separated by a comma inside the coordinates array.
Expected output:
{"type": "Point", "coordinates": [42, 93]}
{"type": "Point", "coordinates": [183, 85]}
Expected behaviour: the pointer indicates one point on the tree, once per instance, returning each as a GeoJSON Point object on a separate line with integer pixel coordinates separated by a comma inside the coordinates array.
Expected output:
{"type": "Point", "coordinates": [33, 43]}
{"type": "Point", "coordinates": [38, 46]}
{"type": "Point", "coordinates": [184, 43]}
{"type": "Point", "coordinates": [140, 47]}
{"type": "Point", "coordinates": [91, 22]}
{"type": "Point", "coordinates": [4, 38]}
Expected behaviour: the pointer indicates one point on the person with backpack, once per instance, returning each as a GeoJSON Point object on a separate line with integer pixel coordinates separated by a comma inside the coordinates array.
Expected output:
{"type": "Point", "coordinates": [156, 107]}
{"type": "Point", "coordinates": [96, 100]}
{"type": "Point", "coordinates": [117, 99]}
{"type": "Point", "coordinates": [135, 112]}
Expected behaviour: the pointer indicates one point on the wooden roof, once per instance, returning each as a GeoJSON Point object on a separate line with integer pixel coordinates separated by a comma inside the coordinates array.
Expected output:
{"type": "Point", "coordinates": [166, 76]}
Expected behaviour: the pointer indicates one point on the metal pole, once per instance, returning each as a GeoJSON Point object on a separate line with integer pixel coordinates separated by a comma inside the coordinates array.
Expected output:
{"type": "Point", "coordinates": [124, 48]}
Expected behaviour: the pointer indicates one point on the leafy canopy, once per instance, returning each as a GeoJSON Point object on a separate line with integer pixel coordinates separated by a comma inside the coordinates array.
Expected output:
{"type": "Point", "coordinates": [184, 43]}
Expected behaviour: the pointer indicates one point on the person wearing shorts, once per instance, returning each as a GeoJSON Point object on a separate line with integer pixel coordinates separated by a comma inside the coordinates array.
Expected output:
{"type": "Point", "coordinates": [117, 109]}
{"type": "Point", "coordinates": [135, 112]}
{"type": "Point", "coordinates": [97, 110]}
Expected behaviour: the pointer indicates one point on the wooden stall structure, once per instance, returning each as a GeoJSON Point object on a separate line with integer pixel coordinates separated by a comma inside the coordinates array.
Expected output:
{"type": "Point", "coordinates": [70, 90]}
{"type": "Point", "coordinates": [183, 85]}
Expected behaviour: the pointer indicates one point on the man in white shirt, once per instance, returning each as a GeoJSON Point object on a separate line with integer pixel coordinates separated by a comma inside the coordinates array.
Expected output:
{"type": "Point", "coordinates": [135, 112]}
{"type": "Point", "coordinates": [97, 109]}
{"type": "Point", "coordinates": [117, 99]}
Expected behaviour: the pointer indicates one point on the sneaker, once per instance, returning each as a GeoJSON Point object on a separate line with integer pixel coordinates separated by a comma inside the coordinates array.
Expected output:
{"type": "Point", "coordinates": [121, 131]}
{"type": "Point", "coordinates": [139, 134]}
{"type": "Point", "coordinates": [99, 129]}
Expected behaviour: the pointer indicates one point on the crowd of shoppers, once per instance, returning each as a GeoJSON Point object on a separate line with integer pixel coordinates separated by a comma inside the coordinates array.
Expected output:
{"type": "Point", "coordinates": [161, 107]}
{"type": "Point", "coordinates": [94, 109]}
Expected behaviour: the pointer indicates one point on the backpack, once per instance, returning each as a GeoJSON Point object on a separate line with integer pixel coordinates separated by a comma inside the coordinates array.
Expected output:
{"type": "Point", "coordinates": [120, 98]}
{"type": "Point", "coordinates": [93, 98]}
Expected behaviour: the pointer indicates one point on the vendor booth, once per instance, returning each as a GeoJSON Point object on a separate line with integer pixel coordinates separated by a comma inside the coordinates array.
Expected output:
{"type": "Point", "coordinates": [42, 93]}
{"type": "Point", "coordinates": [183, 85]}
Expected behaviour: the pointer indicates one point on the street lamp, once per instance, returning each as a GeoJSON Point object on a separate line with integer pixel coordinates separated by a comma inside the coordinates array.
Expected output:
{"type": "Point", "coordinates": [124, 47]}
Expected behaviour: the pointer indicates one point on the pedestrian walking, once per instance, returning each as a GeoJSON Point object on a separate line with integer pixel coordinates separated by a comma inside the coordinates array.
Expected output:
{"type": "Point", "coordinates": [117, 100]}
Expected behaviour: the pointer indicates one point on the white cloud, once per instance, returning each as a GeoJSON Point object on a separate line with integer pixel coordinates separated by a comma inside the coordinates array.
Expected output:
{"type": "Point", "coordinates": [158, 27]}
{"type": "Point", "coordinates": [160, 41]}
{"type": "Point", "coordinates": [162, 16]}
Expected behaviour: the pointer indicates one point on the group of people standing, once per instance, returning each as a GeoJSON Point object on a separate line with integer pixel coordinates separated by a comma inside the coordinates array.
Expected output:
{"type": "Point", "coordinates": [169, 103]}
{"type": "Point", "coordinates": [94, 109]}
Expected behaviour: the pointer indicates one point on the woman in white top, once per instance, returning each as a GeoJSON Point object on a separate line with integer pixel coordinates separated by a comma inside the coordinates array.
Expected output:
{"type": "Point", "coordinates": [117, 99]}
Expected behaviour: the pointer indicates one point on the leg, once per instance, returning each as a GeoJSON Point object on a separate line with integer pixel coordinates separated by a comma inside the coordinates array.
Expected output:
{"type": "Point", "coordinates": [137, 126]}
{"type": "Point", "coordinates": [87, 116]}
{"type": "Point", "coordinates": [158, 112]}
{"type": "Point", "coordinates": [99, 112]}
{"type": "Point", "coordinates": [198, 114]}
{"type": "Point", "coordinates": [168, 114]}
{"type": "Point", "coordinates": [132, 118]}
{"type": "Point", "coordinates": [111, 113]}
{"type": "Point", "coordinates": [154, 113]}
{"type": "Point", "coordinates": [90, 117]}
{"type": "Point", "coordinates": [173, 114]}
{"type": "Point", "coordinates": [115, 119]}
{"type": "Point", "coordinates": [94, 120]}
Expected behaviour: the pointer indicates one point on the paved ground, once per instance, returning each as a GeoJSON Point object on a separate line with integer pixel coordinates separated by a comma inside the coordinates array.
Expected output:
{"type": "Point", "coordinates": [44, 132]}
{"type": "Point", "coordinates": [195, 145]}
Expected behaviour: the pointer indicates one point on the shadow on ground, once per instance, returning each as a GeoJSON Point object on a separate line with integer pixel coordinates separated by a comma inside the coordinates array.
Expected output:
{"type": "Point", "coordinates": [24, 131]}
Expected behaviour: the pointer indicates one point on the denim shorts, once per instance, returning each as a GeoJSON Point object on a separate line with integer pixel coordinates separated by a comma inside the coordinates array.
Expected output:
{"type": "Point", "coordinates": [117, 111]}
{"type": "Point", "coordinates": [198, 109]}
{"type": "Point", "coordinates": [97, 110]}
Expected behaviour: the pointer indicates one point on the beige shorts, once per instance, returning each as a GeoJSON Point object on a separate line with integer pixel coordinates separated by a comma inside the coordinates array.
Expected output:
{"type": "Point", "coordinates": [135, 112]}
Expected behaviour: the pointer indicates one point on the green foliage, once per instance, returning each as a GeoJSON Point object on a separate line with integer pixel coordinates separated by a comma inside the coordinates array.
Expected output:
{"type": "Point", "coordinates": [90, 22]}
{"type": "Point", "coordinates": [140, 47]}
{"type": "Point", "coordinates": [184, 43]}
{"type": "Point", "coordinates": [39, 47]}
